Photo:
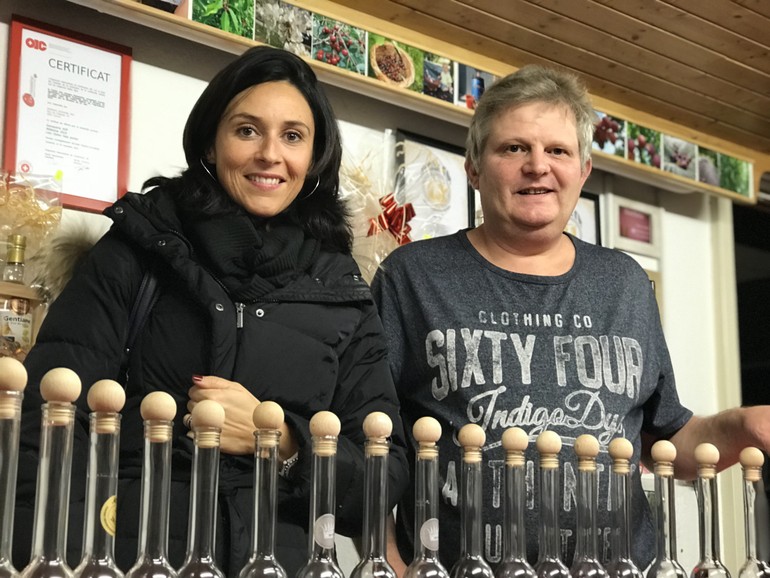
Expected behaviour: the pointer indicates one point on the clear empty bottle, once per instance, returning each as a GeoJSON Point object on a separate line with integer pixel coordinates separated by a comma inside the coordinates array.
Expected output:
{"type": "Point", "coordinates": [105, 399]}
{"type": "Point", "coordinates": [377, 428]}
{"type": "Point", "coordinates": [207, 419]}
{"type": "Point", "coordinates": [751, 461]}
{"type": "Point", "coordinates": [514, 563]}
{"type": "Point", "coordinates": [59, 387]}
{"type": "Point", "coordinates": [267, 417]}
{"type": "Point", "coordinates": [665, 564]}
{"type": "Point", "coordinates": [13, 380]}
{"type": "Point", "coordinates": [621, 565]}
{"type": "Point", "coordinates": [710, 564]}
{"type": "Point", "coordinates": [322, 555]}
{"type": "Point", "coordinates": [549, 563]}
{"type": "Point", "coordinates": [586, 563]}
{"type": "Point", "coordinates": [158, 410]}
{"type": "Point", "coordinates": [426, 564]}
{"type": "Point", "coordinates": [471, 562]}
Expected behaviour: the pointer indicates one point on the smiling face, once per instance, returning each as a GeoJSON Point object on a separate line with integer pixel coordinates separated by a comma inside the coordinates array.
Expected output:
{"type": "Point", "coordinates": [529, 174]}
{"type": "Point", "coordinates": [264, 147]}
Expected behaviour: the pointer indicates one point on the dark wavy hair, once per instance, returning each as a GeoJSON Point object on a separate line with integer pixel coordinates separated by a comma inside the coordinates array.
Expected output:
{"type": "Point", "coordinates": [319, 212]}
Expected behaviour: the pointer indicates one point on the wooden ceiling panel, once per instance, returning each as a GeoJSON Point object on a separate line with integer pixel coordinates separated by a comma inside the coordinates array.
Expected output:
{"type": "Point", "coordinates": [728, 14]}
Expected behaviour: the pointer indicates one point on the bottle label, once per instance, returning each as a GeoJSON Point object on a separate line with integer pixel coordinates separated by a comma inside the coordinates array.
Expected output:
{"type": "Point", "coordinates": [429, 534]}
{"type": "Point", "coordinates": [108, 515]}
{"type": "Point", "coordinates": [323, 531]}
{"type": "Point", "coordinates": [16, 322]}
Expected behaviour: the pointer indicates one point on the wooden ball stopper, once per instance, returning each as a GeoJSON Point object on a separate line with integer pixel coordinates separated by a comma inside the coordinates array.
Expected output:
{"type": "Point", "coordinates": [106, 398]}
{"type": "Point", "coordinates": [13, 374]}
{"type": "Point", "coordinates": [471, 437]}
{"type": "Point", "coordinates": [586, 449]}
{"type": "Point", "coordinates": [621, 451]}
{"type": "Point", "coordinates": [158, 405]}
{"type": "Point", "coordinates": [548, 444]}
{"type": "Point", "coordinates": [377, 427]}
{"type": "Point", "coordinates": [752, 460]}
{"type": "Point", "coordinates": [268, 415]}
{"type": "Point", "coordinates": [325, 427]}
{"type": "Point", "coordinates": [707, 456]}
{"type": "Point", "coordinates": [60, 384]}
{"type": "Point", "coordinates": [663, 454]}
{"type": "Point", "coordinates": [207, 418]}
{"type": "Point", "coordinates": [515, 442]}
{"type": "Point", "coordinates": [426, 432]}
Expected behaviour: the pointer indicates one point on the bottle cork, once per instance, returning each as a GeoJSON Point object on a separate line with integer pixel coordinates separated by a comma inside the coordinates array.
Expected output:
{"type": "Point", "coordinates": [663, 454]}
{"type": "Point", "coordinates": [706, 456]}
{"type": "Point", "coordinates": [752, 460]}
{"type": "Point", "coordinates": [208, 417]}
{"type": "Point", "coordinates": [268, 417]}
{"type": "Point", "coordinates": [13, 380]}
{"type": "Point", "coordinates": [377, 428]}
{"type": "Point", "coordinates": [426, 432]}
{"type": "Point", "coordinates": [548, 445]}
{"type": "Point", "coordinates": [60, 387]}
{"type": "Point", "coordinates": [325, 427]}
{"type": "Point", "coordinates": [515, 442]}
{"type": "Point", "coordinates": [471, 437]}
{"type": "Point", "coordinates": [106, 398]}
{"type": "Point", "coordinates": [586, 449]}
{"type": "Point", "coordinates": [158, 409]}
{"type": "Point", "coordinates": [621, 451]}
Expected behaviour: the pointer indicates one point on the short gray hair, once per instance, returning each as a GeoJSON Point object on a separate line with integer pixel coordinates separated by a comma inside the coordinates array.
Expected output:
{"type": "Point", "coordinates": [529, 84]}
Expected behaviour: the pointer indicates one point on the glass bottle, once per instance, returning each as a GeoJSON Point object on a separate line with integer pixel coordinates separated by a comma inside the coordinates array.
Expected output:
{"type": "Point", "coordinates": [426, 432]}
{"type": "Point", "coordinates": [514, 563]}
{"type": "Point", "coordinates": [15, 311]}
{"type": "Point", "coordinates": [59, 387]}
{"type": "Point", "coordinates": [709, 565]}
{"type": "Point", "coordinates": [377, 428]}
{"type": "Point", "coordinates": [268, 417]}
{"type": "Point", "coordinates": [621, 566]}
{"type": "Point", "coordinates": [158, 410]}
{"type": "Point", "coordinates": [549, 563]}
{"type": "Point", "coordinates": [751, 460]}
{"type": "Point", "coordinates": [586, 563]}
{"type": "Point", "coordinates": [208, 417]}
{"type": "Point", "coordinates": [322, 555]}
{"type": "Point", "coordinates": [105, 399]}
{"type": "Point", "coordinates": [471, 562]}
{"type": "Point", "coordinates": [13, 380]}
{"type": "Point", "coordinates": [665, 564]}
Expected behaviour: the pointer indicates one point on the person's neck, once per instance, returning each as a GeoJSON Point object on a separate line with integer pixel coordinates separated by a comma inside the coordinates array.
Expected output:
{"type": "Point", "coordinates": [531, 253]}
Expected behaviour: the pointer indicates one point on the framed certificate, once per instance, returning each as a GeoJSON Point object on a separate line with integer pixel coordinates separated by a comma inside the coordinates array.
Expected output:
{"type": "Point", "coordinates": [67, 112]}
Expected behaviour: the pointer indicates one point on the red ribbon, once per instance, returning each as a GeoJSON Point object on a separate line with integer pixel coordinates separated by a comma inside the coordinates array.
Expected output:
{"type": "Point", "coordinates": [394, 218]}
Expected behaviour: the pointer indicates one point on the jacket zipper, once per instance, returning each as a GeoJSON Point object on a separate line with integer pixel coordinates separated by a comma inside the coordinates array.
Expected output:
{"type": "Point", "coordinates": [239, 307]}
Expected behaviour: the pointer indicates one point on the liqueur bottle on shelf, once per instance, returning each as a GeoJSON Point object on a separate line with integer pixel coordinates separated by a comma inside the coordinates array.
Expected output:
{"type": "Point", "coordinates": [710, 564]}
{"type": "Point", "coordinates": [621, 565]}
{"type": "Point", "coordinates": [514, 563]}
{"type": "Point", "coordinates": [105, 399]}
{"type": "Point", "coordinates": [471, 563]}
{"type": "Point", "coordinates": [549, 563]}
{"type": "Point", "coordinates": [208, 417]}
{"type": "Point", "coordinates": [665, 564]}
{"type": "Point", "coordinates": [377, 428]}
{"type": "Point", "coordinates": [13, 380]}
{"type": "Point", "coordinates": [59, 387]}
{"type": "Point", "coordinates": [268, 417]}
{"type": "Point", "coordinates": [426, 432]}
{"type": "Point", "coordinates": [322, 555]}
{"type": "Point", "coordinates": [586, 563]}
{"type": "Point", "coordinates": [158, 410]}
{"type": "Point", "coordinates": [751, 461]}
{"type": "Point", "coordinates": [15, 311]}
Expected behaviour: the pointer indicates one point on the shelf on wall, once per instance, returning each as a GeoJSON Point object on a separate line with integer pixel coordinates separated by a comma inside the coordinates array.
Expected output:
{"type": "Point", "coordinates": [185, 28]}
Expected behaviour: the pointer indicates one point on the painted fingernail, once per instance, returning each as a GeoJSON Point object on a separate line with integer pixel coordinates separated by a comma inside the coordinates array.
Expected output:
{"type": "Point", "coordinates": [197, 378]}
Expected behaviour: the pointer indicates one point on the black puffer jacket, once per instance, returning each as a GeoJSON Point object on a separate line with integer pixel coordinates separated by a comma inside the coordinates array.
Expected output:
{"type": "Point", "coordinates": [313, 345]}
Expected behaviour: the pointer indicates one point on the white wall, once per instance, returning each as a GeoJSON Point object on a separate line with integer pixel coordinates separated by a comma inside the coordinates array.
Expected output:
{"type": "Point", "coordinates": [168, 74]}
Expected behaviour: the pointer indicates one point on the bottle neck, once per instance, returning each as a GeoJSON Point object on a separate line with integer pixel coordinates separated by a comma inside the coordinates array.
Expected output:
{"type": "Point", "coordinates": [201, 526]}
{"type": "Point", "coordinates": [323, 505]}
{"type": "Point", "coordinates": [265, 483]}
{"type": "Point", "coordinates": [470, 509]}
{"type": "Point", "coordinates": [585, 546]}
{"type": "Point", "coordinates": [13, 273]}
{"type": "Point", "coordinates": [549, 514]}
{"type": "Point", "coordinates": [708, 520]}
{"type": "Point", "coordinates": [621, 504]}
{"type": "Point", "coordinates": [665, 518]}
{"type": "Point", "coordinates": [375, 504]}
{"type": "Point", "coordinates": [426, 527]}
{"type": "Point", "coordinates": [514, 534]}
{"type": "Point", "coordinates": [156, 491]}
{"type": "Point", "coordinates": [10, 425]}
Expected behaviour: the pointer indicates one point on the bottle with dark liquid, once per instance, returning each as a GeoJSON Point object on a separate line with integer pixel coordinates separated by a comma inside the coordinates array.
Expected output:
{"type": "Point", "coordinates": [751, 460]}
{"type": "Point", "coordinates": [105, 399]}
{"type": "Point", "coordinates": [514, 563]}
{"type": "Point", "coordinates": [549, 563]}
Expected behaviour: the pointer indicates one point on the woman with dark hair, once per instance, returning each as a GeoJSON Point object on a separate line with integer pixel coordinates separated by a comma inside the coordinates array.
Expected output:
{"type": "Point", "coordinates": [258, 299]}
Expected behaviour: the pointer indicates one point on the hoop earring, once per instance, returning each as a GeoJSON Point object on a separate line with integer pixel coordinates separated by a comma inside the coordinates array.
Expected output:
{"type": "Point", "coordinates": [205, 168]}
{"type": "Point", "coordinates": [318, 182]}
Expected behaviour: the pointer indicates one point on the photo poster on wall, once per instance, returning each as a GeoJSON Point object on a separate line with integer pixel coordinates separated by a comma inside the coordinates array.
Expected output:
{"type": "Point", "coordinates": [585, 222]}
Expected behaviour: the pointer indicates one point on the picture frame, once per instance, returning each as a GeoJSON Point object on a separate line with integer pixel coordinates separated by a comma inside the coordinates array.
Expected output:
{"type": "Point", "coordinates": [585, 221]}
{"type": "Point", "coordinates": [634, 226]}
{"type": "Point", "coordinates": [430, 177]}
{"type": "Point", "coordinates": [655, 282]}
{"type": "Point", "coordinates": [68, 111]}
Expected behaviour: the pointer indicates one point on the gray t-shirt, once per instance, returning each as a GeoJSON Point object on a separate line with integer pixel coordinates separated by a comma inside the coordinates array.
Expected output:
{"type": "Point", "coordinates": [578, 353]}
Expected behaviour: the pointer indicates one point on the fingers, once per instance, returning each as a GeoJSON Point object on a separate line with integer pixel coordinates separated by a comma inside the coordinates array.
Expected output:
{"type": "Point", "coordinates": [212, 382]}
